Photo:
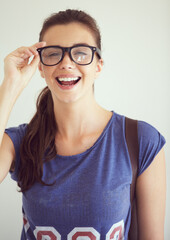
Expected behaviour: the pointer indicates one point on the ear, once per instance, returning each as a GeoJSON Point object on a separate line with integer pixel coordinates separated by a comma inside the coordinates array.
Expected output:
{"type": "Point", "coordinates": [99, 66]}
{"type": "Point", "coordinates": [41, 70]}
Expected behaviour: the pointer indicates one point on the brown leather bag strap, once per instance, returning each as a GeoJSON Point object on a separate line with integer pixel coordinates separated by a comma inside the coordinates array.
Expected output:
{"type": "Point", "coordinates": [131, 134]}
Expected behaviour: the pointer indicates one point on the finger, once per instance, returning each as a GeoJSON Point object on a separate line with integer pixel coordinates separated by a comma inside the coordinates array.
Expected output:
{"type": "Point", "coordinates": [40, 44]}
{"type": "Point", "coordinates": [35, 61]}
{"type": "Point", "coordinates": [33, 48]}
{"type": "Point", "coordinates": [32, 66]}
{"type": "Point", "coordinates": [33, 51]}
{"type": "Point", "coordinates": [23, 52]}
{"type": "Point", "coordinates": [27, 53]}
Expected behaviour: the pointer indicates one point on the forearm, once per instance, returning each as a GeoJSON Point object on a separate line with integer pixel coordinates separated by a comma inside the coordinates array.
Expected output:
{"type": "Point", "coordinates": [7, 101]}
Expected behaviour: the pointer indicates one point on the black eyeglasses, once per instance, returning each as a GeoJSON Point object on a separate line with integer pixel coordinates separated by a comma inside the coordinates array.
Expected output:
{"type": "Point", "coordinates": [80, 54]}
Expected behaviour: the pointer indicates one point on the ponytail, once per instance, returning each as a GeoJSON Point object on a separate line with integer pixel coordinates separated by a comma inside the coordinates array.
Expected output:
{"type": "Point", "coordinates": [38, 144]}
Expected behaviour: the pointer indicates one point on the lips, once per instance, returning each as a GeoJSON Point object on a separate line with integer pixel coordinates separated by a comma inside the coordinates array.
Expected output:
{"type": "Point", "coordinates": [67, 80]}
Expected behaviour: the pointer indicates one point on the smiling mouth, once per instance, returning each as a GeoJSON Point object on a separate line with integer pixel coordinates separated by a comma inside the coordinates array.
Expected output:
{"type": "Point", "coordinates": [68, 81]}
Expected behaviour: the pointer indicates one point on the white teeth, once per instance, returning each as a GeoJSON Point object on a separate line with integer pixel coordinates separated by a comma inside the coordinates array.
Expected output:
{"type": "Point", "coordinates": [68, 79]}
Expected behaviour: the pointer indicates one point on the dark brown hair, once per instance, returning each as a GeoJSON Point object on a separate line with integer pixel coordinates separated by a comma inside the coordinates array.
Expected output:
{"type": "Point", "coordinates": [70, 16]}
{"type": "Point", "coordinates": [38, 144]}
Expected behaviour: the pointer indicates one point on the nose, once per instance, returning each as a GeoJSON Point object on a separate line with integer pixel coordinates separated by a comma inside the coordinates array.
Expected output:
{"type": "Point", "coordinates": [66, 62]}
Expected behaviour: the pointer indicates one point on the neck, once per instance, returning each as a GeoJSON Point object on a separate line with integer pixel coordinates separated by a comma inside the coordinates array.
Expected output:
{"type": "Point", "coordinates": [75, 119]}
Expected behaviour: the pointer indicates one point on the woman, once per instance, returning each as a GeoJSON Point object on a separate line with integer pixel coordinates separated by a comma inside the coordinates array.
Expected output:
{"type": "Point", "coordinates": [71, 161]}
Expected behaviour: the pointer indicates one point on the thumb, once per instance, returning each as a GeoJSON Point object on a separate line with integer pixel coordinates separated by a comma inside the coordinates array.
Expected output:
{"type": "Point", "coordinates": [30, 69]}
{"type": "Point", "coordinates": [35, 61]}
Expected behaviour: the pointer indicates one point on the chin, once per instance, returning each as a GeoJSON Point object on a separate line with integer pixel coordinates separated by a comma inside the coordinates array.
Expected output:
{"type": "Point", "coordinates": [67, 99]}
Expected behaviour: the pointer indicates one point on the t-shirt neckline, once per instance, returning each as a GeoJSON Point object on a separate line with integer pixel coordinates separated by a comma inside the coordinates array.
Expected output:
{"type": "Point", "coordinates": [95, 143]}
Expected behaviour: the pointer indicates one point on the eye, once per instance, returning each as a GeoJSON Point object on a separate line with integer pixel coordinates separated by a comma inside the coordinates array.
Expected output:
{"type": "Point", "coordinates": [53, 54]}
{"type": "Point", "coordinates": [80, 53]}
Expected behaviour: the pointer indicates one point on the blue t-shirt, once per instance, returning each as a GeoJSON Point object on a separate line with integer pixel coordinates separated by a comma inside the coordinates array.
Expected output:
{"type": "Point", "coordinates": [91, 196]}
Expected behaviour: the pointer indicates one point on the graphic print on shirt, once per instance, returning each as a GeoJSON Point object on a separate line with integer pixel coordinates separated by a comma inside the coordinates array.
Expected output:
{"type": "Point", "coordinates": [46, 233]}
{"type": "Point", "coordinates": [116, 232]}
{"type": "Point", "coordinates": [83, 233]}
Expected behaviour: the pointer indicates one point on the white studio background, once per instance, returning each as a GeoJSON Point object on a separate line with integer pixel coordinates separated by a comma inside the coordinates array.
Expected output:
{"type": "Point", "coordinates": [135, 80]}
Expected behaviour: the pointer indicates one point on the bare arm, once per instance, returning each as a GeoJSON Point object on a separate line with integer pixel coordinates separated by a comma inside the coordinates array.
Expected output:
{"type": "Point", "coordinates": [17, 74]}
{"type": "Point", "coordinates": [151, 198]}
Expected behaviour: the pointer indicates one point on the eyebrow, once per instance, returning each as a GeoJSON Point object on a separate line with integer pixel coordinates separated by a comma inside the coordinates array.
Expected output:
{"type": "Point", "coordinates": [74, 45]}
{"type": "Point", "coordinates": [81, 43]}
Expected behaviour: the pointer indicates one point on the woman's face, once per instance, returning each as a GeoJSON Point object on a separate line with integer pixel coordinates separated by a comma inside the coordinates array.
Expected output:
{"type": "Point", "coordinates": [67, 36]}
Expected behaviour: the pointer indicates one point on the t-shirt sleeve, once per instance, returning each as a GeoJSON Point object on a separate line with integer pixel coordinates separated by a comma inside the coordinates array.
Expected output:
{"type": "Point", "coordinates": [150, 143]}
{"type": "Point", "coordinates": [16, 134]}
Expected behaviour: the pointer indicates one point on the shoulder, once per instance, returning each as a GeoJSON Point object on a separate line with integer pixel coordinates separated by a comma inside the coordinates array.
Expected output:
{"type": "Point", "coordinates": [20, 130]}
{"type": "Point", "coordinates": [149, 136]}
{"type": "Point", "coordinates": [147, 131]}
{"type": "Point", "coordinates": [16, 133]}
{"type": "Point", "coordinates": [151, 142]}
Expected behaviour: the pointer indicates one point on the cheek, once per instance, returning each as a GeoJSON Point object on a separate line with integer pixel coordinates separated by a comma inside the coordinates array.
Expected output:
{"type": "Point", "coordinates": [89, 71]}
{"type": "Point", "coordinates": [47, 72]}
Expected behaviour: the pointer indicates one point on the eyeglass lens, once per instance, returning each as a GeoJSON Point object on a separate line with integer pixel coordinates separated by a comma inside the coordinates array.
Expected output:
{"type": "Point", "coordinates": [79, 54]}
